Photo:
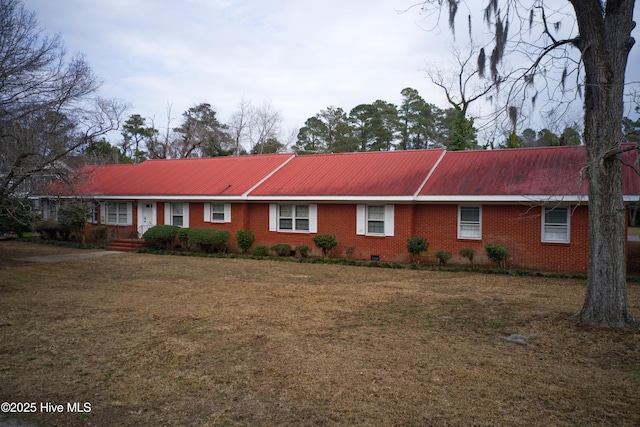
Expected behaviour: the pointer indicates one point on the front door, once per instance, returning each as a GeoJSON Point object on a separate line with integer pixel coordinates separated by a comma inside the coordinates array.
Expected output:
{"type": "Point", "coordinates": [146, 216]}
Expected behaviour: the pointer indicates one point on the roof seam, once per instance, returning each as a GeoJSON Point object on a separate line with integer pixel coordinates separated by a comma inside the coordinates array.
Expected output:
{"type": "Point", "coordinates": [246, 193]}
{"type": "Point", "coordinates": [433, 168]}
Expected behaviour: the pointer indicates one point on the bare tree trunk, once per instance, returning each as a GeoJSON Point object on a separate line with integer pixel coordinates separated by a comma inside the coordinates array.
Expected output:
{"type": "Point", "coordinates": [605, 43]}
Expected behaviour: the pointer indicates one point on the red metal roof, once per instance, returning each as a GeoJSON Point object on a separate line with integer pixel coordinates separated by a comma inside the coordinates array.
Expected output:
{"type": "Point", "coordinates": [518, 172]}
{"type": "Point", "coordinates": [522, 171]}
{"type": "Point", "coordinates": [390, 173]}
{"type": "Point", "coordinates": [216, 176]}
{"type": "Point", "coordinates": [85, 181]}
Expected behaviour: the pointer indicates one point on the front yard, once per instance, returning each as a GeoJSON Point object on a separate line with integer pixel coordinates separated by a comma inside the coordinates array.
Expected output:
{"type": "Point", "coordinates": [160, 340]}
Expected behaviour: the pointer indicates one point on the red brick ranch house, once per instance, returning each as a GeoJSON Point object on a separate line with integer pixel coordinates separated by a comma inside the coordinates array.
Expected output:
{"type": "Point", "coordinates": [532, 200]}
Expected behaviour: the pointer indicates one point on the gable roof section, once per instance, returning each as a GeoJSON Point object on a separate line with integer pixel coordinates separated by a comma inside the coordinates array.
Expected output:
{"type": "Point", "coordinates": [85, 181]}
{"type": "Point", "coordinates": [217, 176]}
{"type": "Point", "coordinates": [203, 177]}
{"type": "Point", "coordinates": [522, 173]}
{"type": "Point", "coordinates": [397, 174]}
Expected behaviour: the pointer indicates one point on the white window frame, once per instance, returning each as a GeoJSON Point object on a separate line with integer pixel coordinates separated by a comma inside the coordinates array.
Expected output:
{"type": "Point", "coordinates": [210, 209]}
{"type": "Point", "coordinates": [50, 210]}
{"type": "Point", "coordinates": [93, 216]}
{"type": "Point", "coordinates": [275, 218]}
{"type": "Point", "coordinates": [547, 229]}
{"type": "Point", "coordinates": [122, 210]}
{"type": "Point", "coordinates": [362, 220]}
{"type": "Point", "coordinates": [464, 226]}
{"type": "Point", "coordinates": [177, 211]}
{"type": "Point", "coordinates": [168, 214]}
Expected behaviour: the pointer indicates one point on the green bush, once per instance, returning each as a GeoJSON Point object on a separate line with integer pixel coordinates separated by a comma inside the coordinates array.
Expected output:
{"type": "Point", "coordinates": [208, 239]}
{"type": "Point", "coordinates": [443, 256]}
{"type": "Point", "coordinates": [183, 238]}
{"type": "Point", "coordinates": [73, 217]}
{"type": "Point", "coordinates": [100, 233]}
{"type": "Point", "coordinates": [281, 249]}
{"type": "Point", "coordinates": [303, 250]}
{"type": "Point", "coordinates": [48, 229]}
{"type": "Point", "coordinates": [325, 242]}
{"type": "Point", "coordinates": [161, 234]}
{"type": "Point", "coordinates": [468, 253]}
{"type": "Point", "coordinates": [245, 239]}
{"type": "Point", "coordinates": [415, 246]}
{"type": "Point", "coordinates": [260, 251]}
{"type": "Point", "coordinates": [498, 254]}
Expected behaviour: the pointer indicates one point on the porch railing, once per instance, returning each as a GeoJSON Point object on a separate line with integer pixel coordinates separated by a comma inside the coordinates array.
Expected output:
{"type": "Point", "coordinates": [142, 229]}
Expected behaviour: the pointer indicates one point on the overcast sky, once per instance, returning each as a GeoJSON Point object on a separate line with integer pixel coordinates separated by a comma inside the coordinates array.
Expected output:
{"type": "Point", "coordinates": [301, 56]}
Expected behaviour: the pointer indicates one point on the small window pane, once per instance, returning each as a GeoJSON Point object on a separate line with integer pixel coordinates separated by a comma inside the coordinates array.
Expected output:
{"type": "Point", "coordinates": [375, 227]}
{"type": "Point", "coordinates": [302, 211]}
{"type": "Point", "coordinates": [302, 224]}
{"type": "Point", "coordinates": [470, 214]}
{"type": "Point", "coordinates": [555, 234]}
{"type": "Point", "coordinates": [555, 216]}
{"type": "Point", "coordinates": [375, 213]}
{"type": "Point", "coordinates": [286, 211]}
{"type": "Point", "coordinates": [286, 223]}
{"type": "Point", "coordinates": [177, 208]}
{"type": "Point", "coordinates": [470, 230]}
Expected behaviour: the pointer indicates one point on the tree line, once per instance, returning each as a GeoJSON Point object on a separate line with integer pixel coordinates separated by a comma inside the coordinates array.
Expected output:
{"type": "Point", "coordinates": [378, 126]}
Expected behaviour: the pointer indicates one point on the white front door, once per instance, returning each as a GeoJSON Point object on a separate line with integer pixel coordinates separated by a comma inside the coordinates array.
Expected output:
{"type": "Point", "coordinates": [146, 216]}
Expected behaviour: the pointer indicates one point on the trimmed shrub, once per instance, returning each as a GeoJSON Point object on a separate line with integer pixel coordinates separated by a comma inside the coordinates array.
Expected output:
{"type": "Point", "coordinates": [325, 242]}
{"type": "Point", "coordinates": [443, 256]}
{"type": "Point", "coordinates": [100, 233]}
{"type": "Point", "coordinates": [260, 251]}
{"type": "Point", "coordinates": [469, 254]}
{"type": "Point", "coordinates": [183, 238]}
{"type": "Point", "coordinates": [73, 217]}
{"type": "Point", "coordinates": [303, 250]}
{"type": "Point", "coordinates": [245, 239]}
{"type": "Point", "coordinates": [281, 249]}
{"type": "Point", "coordinates": [208, 239]}
{"type": "Point", "coordinates": [162, 234]}
{"type": "Point", "coordinates": [415, 246]}
{"type": "Point", "coordinates": [498, 254]}
{"type": "Point", "coordinates": [48, 229]}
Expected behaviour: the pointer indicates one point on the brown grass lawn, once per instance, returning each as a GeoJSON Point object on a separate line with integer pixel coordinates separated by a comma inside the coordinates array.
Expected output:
{"type": "Point", "coordinates": [159, 340]}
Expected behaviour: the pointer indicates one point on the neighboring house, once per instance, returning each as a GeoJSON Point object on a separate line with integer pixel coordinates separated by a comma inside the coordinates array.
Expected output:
{"type": "Point", "coordinates": [532, 200]}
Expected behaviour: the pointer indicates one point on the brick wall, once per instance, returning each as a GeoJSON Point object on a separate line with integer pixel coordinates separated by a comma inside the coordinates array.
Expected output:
{"type": "Point", "coordinates": [517, 227]}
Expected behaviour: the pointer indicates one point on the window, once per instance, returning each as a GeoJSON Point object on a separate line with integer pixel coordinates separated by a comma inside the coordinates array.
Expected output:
{"type": "Point", "coordinates": [469, 222]}
{"type": "Point", "coordinates": [217, 212]}
{"type": "Point", "coordinates": [375, 220]}
{"type": "Point", "coordinates": [293, 218]}
{"type": "Point", "coordinates": [176, 214]}
{"type": "Point", "coordinates": [555, 225]}
{"type": "Point", "coordinates": [51, 210]}
{"type": "Point", "coordinates": [177, 217]}
{"type": "Point", "coordinates": [117, 213]}
{"type": "Point", "coordinates": [94, 213]}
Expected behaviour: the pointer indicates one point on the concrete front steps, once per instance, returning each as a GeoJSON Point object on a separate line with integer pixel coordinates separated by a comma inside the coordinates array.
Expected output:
{"type": "Point", "coordinates": [126, 245]}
